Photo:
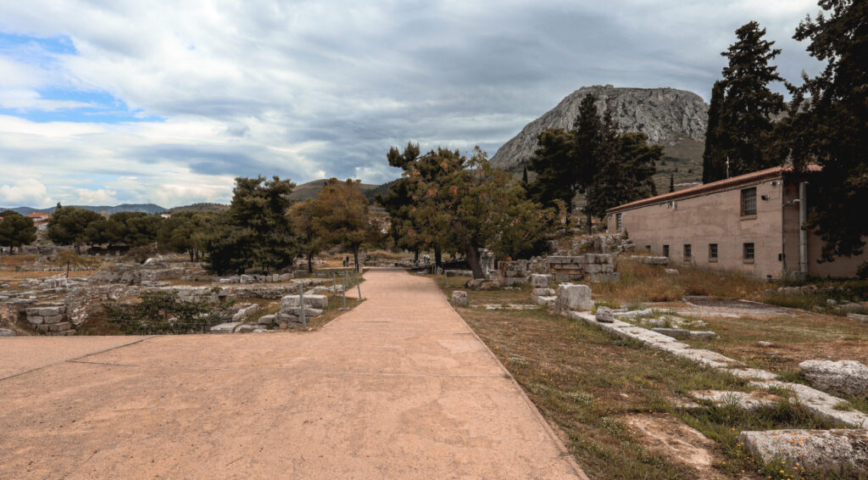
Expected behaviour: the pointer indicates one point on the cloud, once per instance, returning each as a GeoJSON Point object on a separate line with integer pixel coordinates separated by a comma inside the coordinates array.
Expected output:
{"type": "Point", "coordinates": [27, 191]}
{"type": "Point", "coordinates": [96, 197]}
{"type": "Point", "coordinates": [186, 95]}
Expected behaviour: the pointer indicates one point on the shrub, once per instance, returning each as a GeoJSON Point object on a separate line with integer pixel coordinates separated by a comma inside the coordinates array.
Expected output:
{"type": "Point", "coordinates": [163, 312]}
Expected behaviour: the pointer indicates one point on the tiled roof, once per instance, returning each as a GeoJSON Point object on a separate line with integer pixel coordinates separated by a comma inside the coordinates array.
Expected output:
{"type": "Point", "coordinates": [768, 173]}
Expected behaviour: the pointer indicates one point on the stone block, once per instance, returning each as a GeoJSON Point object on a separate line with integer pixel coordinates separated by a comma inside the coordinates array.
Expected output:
{"type": "Point", "coordinates": [859, 317]}
{"type": "Point", "coordinates": [249, 329]}
{"type": "Point", "coordinates": [228, 327]}
{"type": "Point", "coordinates": [59, 327]}
{"type": "Point", "coordinates": [5, 332]}
{"type": "Point", "coordinates": [604, 315]}
{"type": "Point", "coordinates": [540, 281]}
{"type": "Point", "coordinates": [846, 377]}
{"type": "Point", "coordinates": [285, 318]}
{"type": "Point", "coordinates": [459, 298]}
{"type": "Point", "coordinates": [266, 319]}
{"type": "Point", "coordinates": [672, 332]}
{"type": "Point", "coordinates": [308, 311]}
{"type": "Point", "coordinates": [52, 319]}
{"type": "Point", "coordinates": [707, 335]}
{"type": "Point", "coordinates": [672, 271]}
{"type": "Point", "coordinates": [544, 292]}
{"type": "Point", "coordinates": [593, 268]}
{"type": "Point", "coordinates": [45, 311]}
{"type": "Point", "coordinates": [573, 297]}
{"type": "Point", "coordinates": [315, 301]}
{"type": "Point", "coordinates": [819, 452]}
{"type": "Point", "coordinates": [35, 319]}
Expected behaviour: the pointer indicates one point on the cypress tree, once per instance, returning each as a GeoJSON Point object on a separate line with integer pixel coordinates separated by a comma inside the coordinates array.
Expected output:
{"type": "Point", "coordinates": [714, 144]}
{"type": "Point", "coordinates": [741, 124]}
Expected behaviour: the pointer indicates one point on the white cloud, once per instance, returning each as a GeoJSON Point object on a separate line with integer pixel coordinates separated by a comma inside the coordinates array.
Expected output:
{"type": "Point", "coordinates": [96, 197]}
{"type": "Point", "coordinates": [23, 192]}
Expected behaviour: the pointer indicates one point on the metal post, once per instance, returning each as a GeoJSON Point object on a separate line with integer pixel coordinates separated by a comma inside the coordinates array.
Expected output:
{"type": "Point", "coordinates": [344, 291]}
{"type": "Point", "coordinates": [301, 301]}
{"type": "Point", "coordinates": [803, 231]}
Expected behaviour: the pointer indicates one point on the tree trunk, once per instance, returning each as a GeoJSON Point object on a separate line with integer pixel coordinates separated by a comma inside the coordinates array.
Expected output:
{"type": "Point", "coordinates": [438, 257]}
{"type": "Point", "coordinates": [309, 262]}
{"type": "Point", "coordinates": [590, 226]}
{"type": "Point", "coordinates": [191, 255]}
{"type": "Point", "coordinates": [356, 257]}
{"type": "Point", "coordinates": [473, 260]}
{"type": "Point", "coordinates": [416, 256]}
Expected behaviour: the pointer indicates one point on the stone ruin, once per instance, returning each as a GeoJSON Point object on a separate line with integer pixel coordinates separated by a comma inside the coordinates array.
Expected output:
{"type": "Point", "coordinates": [613, 243]}
{"type": "Point", "coordinates": [591, 267]}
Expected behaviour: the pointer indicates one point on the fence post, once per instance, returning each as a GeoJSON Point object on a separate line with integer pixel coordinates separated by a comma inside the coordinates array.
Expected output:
{"type": "Point", "coordinates": [344, 291]}
{"type": "Point", "coordinates": [301, 301]}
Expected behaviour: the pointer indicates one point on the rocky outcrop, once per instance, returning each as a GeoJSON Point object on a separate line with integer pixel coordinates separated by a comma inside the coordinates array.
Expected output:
{"type": "Point", "coordinates": [668, 116]}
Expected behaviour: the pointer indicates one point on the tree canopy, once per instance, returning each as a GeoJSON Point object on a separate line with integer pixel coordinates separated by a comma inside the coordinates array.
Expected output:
{"type": "Point", "coordinates": [743, 108]}
{"type": "Point", "coordinates": [595, 160]}
{"type": "Point", "coordinates": [830, 125]}
{"type": "Point", "coordinates": [255, 232]}
{"type": "Point", "coordinates": [341, 217]}
{"type": "Point", "coordinates": [16, 230]}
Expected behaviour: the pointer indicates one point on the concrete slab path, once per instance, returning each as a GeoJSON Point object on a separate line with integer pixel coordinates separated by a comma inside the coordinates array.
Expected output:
{"type": "Point", "coordinates": [400, 387]}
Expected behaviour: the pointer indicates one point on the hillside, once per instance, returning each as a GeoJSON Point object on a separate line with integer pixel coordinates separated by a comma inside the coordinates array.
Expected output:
{"type": "Point", "coordinates": [148, 208]}
{"type": "Point", "coordinates": [200, 207]}
{"type": "Point", "coordinates": [311, 189]}
{"type": "Point", "coordinates": [675, 119]}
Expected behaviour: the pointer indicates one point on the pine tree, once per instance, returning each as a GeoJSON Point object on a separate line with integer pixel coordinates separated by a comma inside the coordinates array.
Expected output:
{"type": "Point", "coordinates": [832, 128]}
{"type": "Point", "coordinates": [741, 124]}
{"type": "Point", "coordinates": [715, 143]}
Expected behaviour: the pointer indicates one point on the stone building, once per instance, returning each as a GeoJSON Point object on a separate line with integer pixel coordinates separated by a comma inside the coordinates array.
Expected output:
{"type": "Point", "coordinates": [751, 223]}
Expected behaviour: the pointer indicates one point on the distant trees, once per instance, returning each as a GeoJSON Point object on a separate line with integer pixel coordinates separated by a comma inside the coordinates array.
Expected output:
{"type": "Point", "coordinates": [595, 160]}
{"type": "Point", "coordinates": [186, 232]}
{"type": "Point", "coordinates": [743, 108]}
{"type": "Point", "coordinates": [16, 230]}
{"type": "Point", "coordinates": [69, 226]}
{"type": "Point", "coordinates": [340, 216]}
{"type": "Point", "coordinates": [302, 216]}
{"type": "Point", "coordinates": [829, 125]}
{"type": "Point", "coordinates": [255, 232]}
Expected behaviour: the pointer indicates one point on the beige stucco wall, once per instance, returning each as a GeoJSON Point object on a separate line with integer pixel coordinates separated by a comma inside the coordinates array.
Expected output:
{"type": "Point", "coordinates": [714, 218]}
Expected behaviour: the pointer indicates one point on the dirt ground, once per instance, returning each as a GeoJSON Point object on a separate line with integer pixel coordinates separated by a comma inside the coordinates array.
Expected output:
{"type": "Point", "coordinates": [399, 387]}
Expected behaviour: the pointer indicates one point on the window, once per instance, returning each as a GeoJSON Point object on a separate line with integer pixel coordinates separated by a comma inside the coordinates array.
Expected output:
{"type": "Point", "coordinates": [666, 251]}
{"type": "Point", "coordinates": [648, 248]}
{"type": "Point", "coordinates": [712, 252]}
{"type": "Point", "coordinates": [748, 252]}
{"type": "Point", "coordinates": [687, 252]}
{"type": "Point", "coordinates": [748, 202]}
{"type": "Point", "coordinates": [620, 225]}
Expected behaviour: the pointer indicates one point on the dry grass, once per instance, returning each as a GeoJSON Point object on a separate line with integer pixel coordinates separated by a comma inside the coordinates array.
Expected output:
{"type": "Point", "coordinates": [649, 283]}
{"type": "Point", "coordinates": [585, 382]}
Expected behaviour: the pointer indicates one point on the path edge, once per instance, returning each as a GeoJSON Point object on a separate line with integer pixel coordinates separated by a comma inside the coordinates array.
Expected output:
{"type": "Point", "coordinates": [545, 424]}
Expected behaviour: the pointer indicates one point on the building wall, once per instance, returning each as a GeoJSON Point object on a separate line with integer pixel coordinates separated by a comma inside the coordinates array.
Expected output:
{"type": "Point", "coordinates": [841, 267]}
{"type": "Point", "coordinates": [714, 218]}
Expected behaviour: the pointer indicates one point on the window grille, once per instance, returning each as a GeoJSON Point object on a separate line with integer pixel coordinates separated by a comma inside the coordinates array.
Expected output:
{"type": "Point", "coordinates": [748, 202]}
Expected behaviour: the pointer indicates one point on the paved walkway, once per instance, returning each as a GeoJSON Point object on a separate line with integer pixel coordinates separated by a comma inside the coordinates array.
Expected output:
{"type": "Point", "coordinates": [398, 388]}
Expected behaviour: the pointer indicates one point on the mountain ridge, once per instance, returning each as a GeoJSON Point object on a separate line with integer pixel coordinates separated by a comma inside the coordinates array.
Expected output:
{"type": "Point", "coordinates": [675, 119]}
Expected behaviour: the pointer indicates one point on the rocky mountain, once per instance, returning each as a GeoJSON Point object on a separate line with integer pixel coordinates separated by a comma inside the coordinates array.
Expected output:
{"type": "Point", "coordinates": [675, 119]}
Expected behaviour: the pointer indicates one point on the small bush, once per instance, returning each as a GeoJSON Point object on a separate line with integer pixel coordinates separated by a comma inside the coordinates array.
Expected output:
{"type": "Point", "coordinates": [163, 312]}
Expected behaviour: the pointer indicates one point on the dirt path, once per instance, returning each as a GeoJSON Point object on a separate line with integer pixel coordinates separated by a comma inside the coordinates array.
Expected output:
{"type": "Point", "coordinates": [398, 388]}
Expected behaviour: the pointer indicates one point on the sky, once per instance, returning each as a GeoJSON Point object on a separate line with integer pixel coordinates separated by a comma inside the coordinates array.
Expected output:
{"type": "Point", "coordinates": [114, 101]}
